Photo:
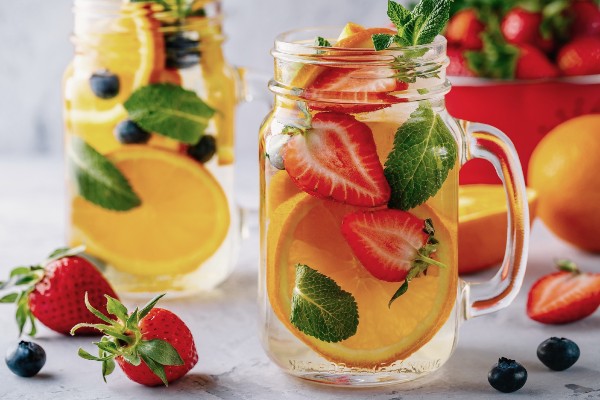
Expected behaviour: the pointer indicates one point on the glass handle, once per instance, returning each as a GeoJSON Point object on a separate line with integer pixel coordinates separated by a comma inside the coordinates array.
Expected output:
{"type": "Point", "coordinates": [488, 143]}
{"type": "Point", "coordinates": [251, 86]}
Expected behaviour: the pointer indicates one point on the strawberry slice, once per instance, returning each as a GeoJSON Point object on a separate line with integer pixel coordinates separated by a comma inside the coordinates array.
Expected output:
{"type": "Point", "coordinates": [565, 296]}
{"type": "Point", "coordinates": [353, 90]}
{"type": "Point", "coordinates": [392, 245]}
{"type": "Point", "coordinates": [337, 159]}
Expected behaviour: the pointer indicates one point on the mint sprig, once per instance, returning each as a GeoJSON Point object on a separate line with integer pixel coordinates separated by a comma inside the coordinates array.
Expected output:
{"type": "Point", "coordinates": [322, 42]}
{"type": "Point", "coordinates": [417, 27]}
{"type": "Point", "coordinates": [322, 309]}
{"type": "Point", "coordinates": [171, 111]}
{"type": "Point", "coordinates": [423, 154]}
{"type": "Point", "coordinates": [97, 180]}
{"type": "Point", "coordinates": [423, 260]}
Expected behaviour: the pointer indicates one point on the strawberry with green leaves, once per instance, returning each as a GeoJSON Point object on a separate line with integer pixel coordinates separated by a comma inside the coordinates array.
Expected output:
{"type": "Point", "coordinates": [393, 245]}
{"type": "Point", "coordinates": [152, 346]}
{"type": "Point", "coordinates": [53, 292]}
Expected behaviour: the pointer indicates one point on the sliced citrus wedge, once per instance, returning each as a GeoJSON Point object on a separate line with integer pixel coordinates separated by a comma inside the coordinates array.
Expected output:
{"type": "Point", "coordinates": [183, 219]}
{"type": "Point", "coordinates": [306, 230]}
{"type": "Point", "coordinates": [482, 225]}
{"type": "Point", "coordinates": [132, 48]}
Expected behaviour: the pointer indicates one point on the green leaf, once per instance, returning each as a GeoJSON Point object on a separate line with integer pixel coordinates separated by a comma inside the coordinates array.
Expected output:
{"type": "Point", "coordinates": [64, 252]}
{"type": "Point", "coordinates": [84, 354]}
{"type": "Point", "coordinates": [160, 351]}
{"type": "Point", "coordinates": [171, 111]}
{"type": "Point", "coordinates": [424, 152]}
{"type": "Point", "coordinates": [94, 311]}
{"type": "Point", "coordinates": [9, 298]}
{"type": "Point", "coordinates": [116, 308]}
{"type": "Point", "coordinates": [108, 366]}
{"type": "Point", "coordinates": [320, 308]}
{"type": "Point", "coordinates": [97, 180]}
{"type": "Point", "coordinates": [156, 368]}
{"type": "Point", "coordinates": [150, 306]}
{"type": "Point", "coordinates": [23, 312]}
{"type": "Point", "coordinates": [399, 292]}
{"type": "Point", "coordinates": [382, 41]}
{"type": "Point", "coordinates": [567, 266]}
{"type": "Point", "coordinates": [428, 19]}
{"type": "Point", "coordinates": [133, 319]}
{"type": "Point", "coordinates": [398, 14]}
{"type": "Point", "coordinates": [133, 358]}
{"type": "Point", "coordinates": [322, 42]}
{"type": "Point", "coordinates": [20, 271]}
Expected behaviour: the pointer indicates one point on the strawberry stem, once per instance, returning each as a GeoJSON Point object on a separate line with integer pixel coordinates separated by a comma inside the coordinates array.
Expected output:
{"type": "Point", "coordinates": [431, 261]}
{"type": "Point", "coordinates": [567, 266]}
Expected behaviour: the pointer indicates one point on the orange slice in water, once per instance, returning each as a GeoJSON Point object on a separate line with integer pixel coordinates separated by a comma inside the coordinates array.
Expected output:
{"type": "Point", "coordinates": [183, 219]}
{"type": "Point", "coordinates": [306, 230]}
{"type": "Point", "coordinates": [131, 48]}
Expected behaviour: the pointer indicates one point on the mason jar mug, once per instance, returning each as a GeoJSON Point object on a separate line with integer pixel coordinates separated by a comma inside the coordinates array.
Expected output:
{"type": "Point", "coordinates": [359, 164]}
{"type": "Point", "coordinates": [149, 104]}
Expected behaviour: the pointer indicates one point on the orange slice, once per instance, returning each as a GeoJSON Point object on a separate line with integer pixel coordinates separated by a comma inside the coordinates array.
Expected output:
{"type": "Point", "coordinates": [306, 230]}
{"type": "Point", "coordinates": [280, 189]}
{"type": "Point", "coordinates": [183, 219]}
{"type": "Point", "coordinates": [482, 225]}
{"type": "Point", "coordinates": [133, 49]}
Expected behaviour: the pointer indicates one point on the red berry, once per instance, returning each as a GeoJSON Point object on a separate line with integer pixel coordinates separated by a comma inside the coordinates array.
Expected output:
{"type": "Point", "coordinates": [353, 90]}
{"type": "Point", "coordinates": [564, 297]}
{"type": "Point", "coordinates": [464, 30]}
{"type": "Point", "coordinates": [57, 299]}
{"type": "Point", "coordinates": [337, 159]}
{"type": "Point", "coordinates": [581, 56]}
{"type": "Point", "coordinates": [586, 19]}
{"type": "Point", "coordinates": [458, 64]}
{"type": "Point", "coordinates": [533, 64]}
{"type": "Point", "coordinates": [520, 26]}
{"type": "Point", "coordinates": [164, 325]}
{"type": "Point", "coordinates": [152, 346]}
{"type": "Point", "coordinates": [386, 242]}
{"type": "Point", "coordinates": [54, 293]}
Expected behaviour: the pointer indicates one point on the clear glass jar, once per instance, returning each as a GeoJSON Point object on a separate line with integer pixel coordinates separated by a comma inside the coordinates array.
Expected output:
{"type": "Point", "coordinates": [149, 107]}
{"type": "Point", "coordinates": [347, 124]}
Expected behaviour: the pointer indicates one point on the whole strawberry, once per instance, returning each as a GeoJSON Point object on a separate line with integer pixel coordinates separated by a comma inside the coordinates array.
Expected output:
{"type": "Point", "coordinates": [152, 346]}
{"type": "Point", "coordinates": [580, 56]}
{"type": "Point", "coordinates": [53, 292]}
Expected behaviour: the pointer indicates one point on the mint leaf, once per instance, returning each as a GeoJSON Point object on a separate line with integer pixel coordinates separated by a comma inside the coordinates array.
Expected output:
{"type": "Point", "coordinates": [320, 308]}
{"type": "Point", "coordinates": [398, 14]}
{"type": "Point", "coordinates": [382, 41]}
{"type": "Point", "coordinates": [418, 27]}
{"type": "Point", "coordinates": [322, 42]}
{"type": "Point", "coordinates": [423, 154]}
{"type": "Point", "coordinates": [428, 19]}
{"type": "Point", "coordinates": [171, 111]}
{"type": "Point", "coordinates": [97, 180]}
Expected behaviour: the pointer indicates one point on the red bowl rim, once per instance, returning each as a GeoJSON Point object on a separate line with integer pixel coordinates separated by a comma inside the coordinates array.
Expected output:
{"type": "Point", "coordinates": [466, 81]}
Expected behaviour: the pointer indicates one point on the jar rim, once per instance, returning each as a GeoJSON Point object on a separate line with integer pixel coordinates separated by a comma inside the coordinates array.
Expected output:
{"type": "Point", "coordinates": [299, 45]}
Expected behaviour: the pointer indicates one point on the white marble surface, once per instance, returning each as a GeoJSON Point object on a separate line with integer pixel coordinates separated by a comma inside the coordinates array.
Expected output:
{"type": "Point", "coordinates": [232, 364]}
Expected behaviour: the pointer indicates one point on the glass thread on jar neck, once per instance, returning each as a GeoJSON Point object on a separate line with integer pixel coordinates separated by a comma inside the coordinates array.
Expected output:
{"type": "Point", "coordinates": [421, 68]}
{"type": "Point", "coordinates": [93, 17]}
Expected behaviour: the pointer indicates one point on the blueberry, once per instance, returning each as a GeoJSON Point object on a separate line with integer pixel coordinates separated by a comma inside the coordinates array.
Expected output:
{"type": "Point", "coordinates": [128, 132]}
{"type": "Point", "coordinates": [181, 51]}
{"type": "Point", "coordinates": [507, 376]}
{"type": "Point", "coordinates": [204, 150]}
{"type": "Point", "coordinates": [558, 354]}
{"type": "Point", "coordinates": [274, 145]}
{"type": "Point", "coordinates": [26, 359]}
{"type": "Point", "coordinates": [105, 84]}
